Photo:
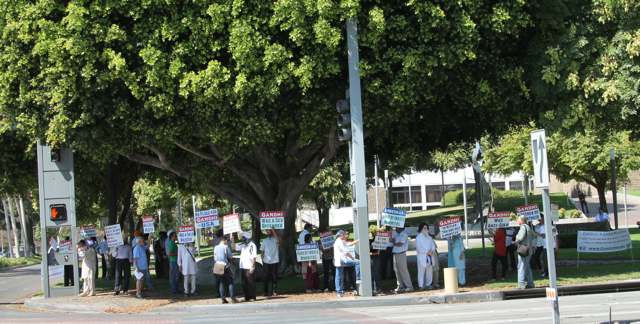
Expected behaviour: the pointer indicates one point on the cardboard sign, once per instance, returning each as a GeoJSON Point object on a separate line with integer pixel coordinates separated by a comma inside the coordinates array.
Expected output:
{"type": "Point", "coordinates": [53, 243]}
{"type": "Point", "coordinates": [114, 235]}
{"type": "Point", "coordinates": [186, 234]}
{"type": "Point", "coordinates": [87, 231]}
{"type": "Point", "coordinates": [498, 220]}
{"type": "Point", "coordinates": [450, 226]}
{"type": "Point", "coordinates": [307, 252]}
{"type": "Point", "coordinates": [147, 224]}
{"type": "Point", "coordinates": [271, 219]}
{"type": "Point", "coordinates": [532, 212]}
{"type": "Point", "coordinates": [393, 217]}
{"type": "Point", "coordinates": [81, 249]}
{"type": "Point", "coordinates": [555, 212]}
{"type": "Point", "coordinates": [598, 242]}
{"type": "Point", "coordinates": [231, 224]}
{"type": "Point", "coordinates": [327, 239]}
{"type": "Point", "coordinates": [207, 218]}
{"type": "Point", "coordinates": [65, 246]}
{"type": "Point", "coordinates": [382, 240]}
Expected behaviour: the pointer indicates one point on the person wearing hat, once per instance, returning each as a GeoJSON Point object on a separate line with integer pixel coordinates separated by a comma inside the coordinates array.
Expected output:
{"type": "Point", "coordinates": [248, 255]}
{"type": "Point", "coordinates": [424, 249]}
{"type": "Point", "coordinates": [341, 260]}
{"type": "Point", "coordinates": [400, 241]}
{"type": "Point", "coordinates": [89, 267]}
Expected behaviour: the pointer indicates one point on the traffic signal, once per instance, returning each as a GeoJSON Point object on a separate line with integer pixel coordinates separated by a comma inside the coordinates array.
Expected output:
{"type": "Point", "coordinates": [55, 153]}
{"type": "Point", "coordinates": [344, 120]}
{"type": "Point", "coordinates": [59, 212]}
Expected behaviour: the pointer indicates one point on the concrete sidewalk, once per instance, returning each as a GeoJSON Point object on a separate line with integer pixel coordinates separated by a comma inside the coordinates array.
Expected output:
{"type": "Point", "coordinates": [71, 305]}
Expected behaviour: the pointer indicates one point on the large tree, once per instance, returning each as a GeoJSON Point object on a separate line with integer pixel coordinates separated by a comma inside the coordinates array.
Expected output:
{"type": "Point", "coordinates": [239, 95]}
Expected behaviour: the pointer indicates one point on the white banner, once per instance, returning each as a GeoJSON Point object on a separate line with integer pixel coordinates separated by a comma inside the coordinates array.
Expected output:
{"type": "Point", "coordinates": [393, 217]}
{"type": "Point", "coordinates": [327, 239]}
{"type": "Point", "coordinates": [53, 243]}
{"type": "Point", "coordinates": [186, 234]}
{"type": "Point", "coordinates": [231, 224]}
{"type": "Point", "coordinates": [114, 235]}
{"type": "Point", "coordinates": [532, 212]}
{"type": "Point", "coordinates": [54, 271]}
{"type": "Point", "coordinates": [307, 252]}
{"type": "Point", "coordinates": [597, 242]}
{"type": "Point", "coordinates": [498, 220]}
{"type": "Point", "coordinates": [273, 219]}
{"type": "Point", "coordinates": [382, 240]}
{"type": "Point", "coordinates": [147, 224]}
{"type": "Point", "coordinates": [450, 226]}
{"type": "Point", "coordinates": [207, 218]}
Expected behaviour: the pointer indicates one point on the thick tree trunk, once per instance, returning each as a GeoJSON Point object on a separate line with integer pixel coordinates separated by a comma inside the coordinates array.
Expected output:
{"type": "Point", "coordinates": [289, 238]}
{"type": "Point", "coordinates": [601, 188]}
{"type": "Point", "coordinates": [257, 232]}
{"type": "Point", "coordinates": [323, 213]}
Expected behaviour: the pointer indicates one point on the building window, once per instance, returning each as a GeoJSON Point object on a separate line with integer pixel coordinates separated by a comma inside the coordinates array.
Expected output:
{"type": "Point", "coordinates": [499, 185]}
{"type": "Point", "coordinates": [434, 193]}
{"type": "Point", "coordinates": [345, 204]}
{"type": "Point", "coordinates": [515, 185]}
{"type": "Point", "coordinates": [401, 195]}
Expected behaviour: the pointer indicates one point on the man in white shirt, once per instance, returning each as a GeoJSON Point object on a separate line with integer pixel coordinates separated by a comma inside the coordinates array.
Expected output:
{"type": "Point", "coordinates": [340, 260]}
{"type": "Point", "coordinates": [307, 229]}
{"type": "Point", "coordinates": [400, 241]}
{"type": "Point", "coordinates": [602, 216]}
{"type": "Point", "coordinates": [124, 258]}
{"type": "Point", "coordinates": [270, 261]}
{"type": "Point", "coordinates": [511, 247]}
{"type": "Point", "coordinates": [544, 246]}
{"type": "Point", "coordinates": [248, 257]}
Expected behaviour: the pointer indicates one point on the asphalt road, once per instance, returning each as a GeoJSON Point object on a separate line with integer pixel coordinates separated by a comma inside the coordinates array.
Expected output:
{"type": "Point", "coordinates": [19, 283]}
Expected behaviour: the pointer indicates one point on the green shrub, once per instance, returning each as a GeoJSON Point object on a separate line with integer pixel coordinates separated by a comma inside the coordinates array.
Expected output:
{"type": "Point", "coordinates": [576, 214]}
{"type": "Point", "coordinates": [568, 240]}
{"type": "Point", "coordinates": [499, 194]}
{"type": "Point", "coordinates": [452, 198]}
{"type": "Point", "coordinates": [561, 212]}
{"type": "Point", "coordinates": [513, 216]}
{"type": "Point", "coordinates": [373, 229]}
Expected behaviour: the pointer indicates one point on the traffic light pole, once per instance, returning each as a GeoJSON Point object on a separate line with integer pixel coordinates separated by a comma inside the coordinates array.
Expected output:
{"type": "Point", "coordinates": [358, 176]}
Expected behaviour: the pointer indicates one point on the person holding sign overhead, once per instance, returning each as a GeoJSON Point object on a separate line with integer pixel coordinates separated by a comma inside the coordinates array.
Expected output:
{"type": "Point", "coordinates": [310, 272]}
{"type": "Point", "coordinates": [456, 257]}
{"type": "Point", "coordinates": [425, 247]}
{"type": "Point", "coordinates": [327, 256]}
{"type": "Point", "coordinates": [270, 261]}
{"type": "Point", "coordinates": [400, 241]}
{"type": "Point", "coordinates": [248, 255]}
{"type": "Point", "coordinates": [340, 260]}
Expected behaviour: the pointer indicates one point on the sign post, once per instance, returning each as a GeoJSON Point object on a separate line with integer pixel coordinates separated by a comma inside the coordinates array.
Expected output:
{"type": "Point", "coordinates": [541, 175]}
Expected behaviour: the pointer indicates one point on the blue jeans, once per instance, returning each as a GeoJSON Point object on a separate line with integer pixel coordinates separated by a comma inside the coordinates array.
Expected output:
{"type": "Point", "coordinates": [340, 272]}
{"type": "Point", "coordinates": [374, 272]}
{"type": "Point", "coordinates": [148, 275]}
{"type": "Point", "coordinates": [175, 276]}
{"type": "Point", "coordinates": [524, 271]}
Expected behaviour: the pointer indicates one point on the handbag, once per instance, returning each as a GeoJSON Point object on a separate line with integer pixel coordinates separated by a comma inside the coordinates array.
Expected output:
{"type": "Point", "coordinates": [218, 268]}
{"type": "Point", "coordinates": [523, 250]}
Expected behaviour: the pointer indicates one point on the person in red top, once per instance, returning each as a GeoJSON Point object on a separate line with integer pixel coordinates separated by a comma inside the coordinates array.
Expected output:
{"type": "Point", "coordinates": [499, 253]}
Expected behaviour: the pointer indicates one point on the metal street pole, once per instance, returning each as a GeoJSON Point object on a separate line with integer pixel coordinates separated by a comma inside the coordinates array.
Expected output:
{"type": "Point", "coordinates": [626, 219]}
{"type": "Point", "coordinates": [410, 193]}
{"type": "Point", "coordinates": [551, 259]}
{"type": "Point", "coordinates": [179, 211]}
{"type": "Point", "coordinates": [193, 200]}
{"type": "Point", "coordinates": [612, 154]}
{"type": "Point", "coordinates": [358, 176]}
{"type": "Point", "coordinates": [387, 184]}
{"type": "Point", "coordinates": [375, 168]}
{"type": "Point", "coordinates": [160, 219]}
{"type": "Point", "coordinates": [464, 198]}
{"type": "Point", "coordinates": [6, 221]}
{"type": "Point", "coordinates": [481, 204]}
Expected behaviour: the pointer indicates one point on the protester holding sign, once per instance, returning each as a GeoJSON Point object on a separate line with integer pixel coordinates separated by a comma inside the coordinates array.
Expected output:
{"type": "Point", "coordinates": [400, 242]}
{"type": "Point", "coordinates": [270, 261]}
{"type": "Point", "coordinates": [386, 257]}
{"type": "Point", "coordinates": [124, 258]}
{"type": "Point", "coordinates": [538, 244]}
{"type": "Point", "coordinates": [89, 267]}
{"type": "Point", "coordinates": [326, 236]}
{"type": "Point", "coordinates": [436, 264]}
{"type": "Point", "coordinates": [140, 264]}
{"type": "Point", "coordinates": [340, 261]}
{"type": "Point", "coordinates": [248, 257]}
{"type": "Point", "coordinates": [556, 247]}
{"type": "Point", "coordinates": [172, 252]}
{"type": "Point", "coordinates": [499, 253]}
{"type": "Point", "coordinates": [310, 271]}
{"type": "Point", "coordinates": [102, 249]}
{"type": "Point", "coordinates": [525, 236]}
{"type": "Point", "coordinates": [457, 258]}
{"type": "Point", "coordinates": [187, 265]}
{"type": "Point", "coordinates": [424, 247]}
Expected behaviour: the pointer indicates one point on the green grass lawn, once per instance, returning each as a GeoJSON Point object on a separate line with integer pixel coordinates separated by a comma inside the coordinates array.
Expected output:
{"type": "Point", "coordinates": [633, 193]}
{"type": "Point", "coordinates": [6, 262]}
{"type": "Point", "coordinates": [510, 204]}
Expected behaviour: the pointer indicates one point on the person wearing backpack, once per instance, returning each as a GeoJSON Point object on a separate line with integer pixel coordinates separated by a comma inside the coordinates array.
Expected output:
{"type": "Point", "coordinates": [524, 240]}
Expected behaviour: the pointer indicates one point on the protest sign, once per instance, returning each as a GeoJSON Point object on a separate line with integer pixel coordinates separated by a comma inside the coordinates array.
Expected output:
{"type": "Point", "coordinates": [381, 241]}
{"type": "Point", "coordinates": [231, 224]}
{"type": "Point", "coordinates": [612, 241]}
{"type": "Point", "coordinates": [186, 234]}
{"type": "Point", "coordinates": [65, 246]}
{"type": "Point", "coordinates": [307, 252]}
{"type": "Point", "coordinates": [53, 243]}
{"type": "Point", "coordinates": [114, 235]}
{"type": "Point", "coordinates": [532, 212]}
{"type": "Point", "coordinates": [351, 249]}
{"type": "Point", "coordinates": [498, 220]}
{"type": "Point", "coordinates": [271, 219]}
{"type": "Point", "coordinates": [207, 218]}
{"type": "Point", "coordinates": [450, 226]}
{"type": "Point", "coordinates": [327, 239]}
{"type": "Point", "coordinates": [555, 212]}
{"type": "Point", "coordinates": [87, 231]}
{"type": "Point", "coordinates": [147, 224]}
{"type": "Point", "coordinates": [54, 271]}
{"type": "Point", "coordinates": [393, 217]}
{"type": "Point", "coordinates": [81, 249]}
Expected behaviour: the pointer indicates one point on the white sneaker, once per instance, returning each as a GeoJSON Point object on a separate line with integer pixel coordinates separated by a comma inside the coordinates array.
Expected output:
{"type": "Point", "coordinates": [358, 282]}
{"type": "Point", "coordinates": [326, 290]}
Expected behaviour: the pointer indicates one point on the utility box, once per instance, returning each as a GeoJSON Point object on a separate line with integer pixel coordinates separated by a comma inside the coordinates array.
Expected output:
{"type": "Point", "coordinates": [57, 209]}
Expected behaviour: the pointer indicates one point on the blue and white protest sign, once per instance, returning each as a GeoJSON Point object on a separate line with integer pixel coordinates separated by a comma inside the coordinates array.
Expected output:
{"type": "Point", "coordinates": [307, 252]}
{"type": "Point", "coordinates": [393, 217]}
{"type": "Point", "coordinates": [449, 227]}
{"type": "Point", "coordinates": [532, 212]}
{"type": "Point", "coordinates": [498, 220]}
{"type": "Point", "coordinates": [598, 242]}
{"type": "Point", "coordinates": [207, 218]}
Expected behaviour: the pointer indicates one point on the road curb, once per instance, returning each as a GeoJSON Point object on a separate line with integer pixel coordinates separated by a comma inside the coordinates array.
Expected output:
{"type": "Point", "coordinates": [18, 266]}
{"type": "Point", "coordinates": [39, 303]}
